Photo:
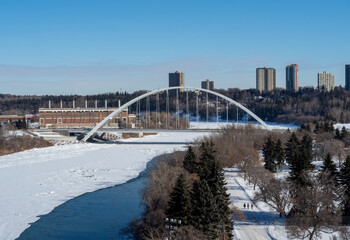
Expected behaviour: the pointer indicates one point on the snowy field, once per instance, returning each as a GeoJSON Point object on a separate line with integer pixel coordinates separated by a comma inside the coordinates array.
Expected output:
{"type": "Point", "coordinates": [34, 182]}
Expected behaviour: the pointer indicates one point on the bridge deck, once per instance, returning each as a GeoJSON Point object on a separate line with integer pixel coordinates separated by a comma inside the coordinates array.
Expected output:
{"type": "Point", "coordinates": [138, 130]}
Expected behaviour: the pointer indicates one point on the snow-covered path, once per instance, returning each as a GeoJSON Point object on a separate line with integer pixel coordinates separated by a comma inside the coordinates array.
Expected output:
{"type": "Point", "coordinates": [257, 222]}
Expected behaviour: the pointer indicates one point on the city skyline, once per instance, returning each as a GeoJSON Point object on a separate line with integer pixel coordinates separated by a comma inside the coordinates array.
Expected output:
{"type": "Point", "coordinates": [83, 47]}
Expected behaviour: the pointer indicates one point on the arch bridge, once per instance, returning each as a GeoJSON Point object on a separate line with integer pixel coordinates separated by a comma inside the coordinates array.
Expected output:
{"type": "Point", "coordinates": [106, 120]}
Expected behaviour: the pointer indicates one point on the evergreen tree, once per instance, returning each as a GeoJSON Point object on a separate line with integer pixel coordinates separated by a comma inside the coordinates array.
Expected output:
{"type": "Point", "coordinates": [269, 155]}
{"type": "Point", "coordinates": [207, 157]}
{"type": "Point", "coordinates": [292, 147]}
{"type": "Point", "coordinates": [306, 152]}
{"type": "Point", "coordinates": [216, 183]}
{"type": "Point", "coordinates": [337, 134]}
{"type": "Point", "coordinates": [279, 154]}
{"type": "Point", "coordinates": [317, 128]}
{"type": "Point", "coordinates": [299, 157]}
{"type": "Point", "coordinates": [343, 132]}
{"type": "Point", "coordinates": [329, 166]}
{"type": "Point", "coordinates": [205, 213]}
{"type": "Point", "coordinates": [308, 128]}
{"type": "Point", "coordinates": [344, 180]}
{"type": "Point", "coordinates": [179, 205]}
{"type": "Point", "coordinates": [190, 161]}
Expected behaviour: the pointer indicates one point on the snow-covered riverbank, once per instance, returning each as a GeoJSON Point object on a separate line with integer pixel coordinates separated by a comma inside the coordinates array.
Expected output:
{"type": "Point", "coordinates": [34, 182]}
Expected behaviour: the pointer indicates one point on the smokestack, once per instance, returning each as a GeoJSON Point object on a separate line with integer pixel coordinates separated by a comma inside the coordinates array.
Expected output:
{"type": "Point", "coordinates": [95, 103]}
{"type": "Point", "coordinates": [119, 103]}
{"type": "Point", "coordinates": [49, 103]}
{"type": "Point", "coordinates": [85, 103]}
{"type": "Point", "coordinates": [73, 103]}
{"type": "Point", "coordinates": [61, 104]}
{"type": "Point", "coordinates": [106, 103]}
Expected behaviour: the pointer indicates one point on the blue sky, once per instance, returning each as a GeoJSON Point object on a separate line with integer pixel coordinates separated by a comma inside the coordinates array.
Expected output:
{"type": "Point", "coordinates": [87, 47]}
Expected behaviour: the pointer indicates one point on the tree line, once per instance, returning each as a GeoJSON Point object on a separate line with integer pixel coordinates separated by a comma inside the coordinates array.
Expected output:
{"type": "Point", "coordinates": [304, 106]}
{"type": "Point", "coordinates": [11, 141]}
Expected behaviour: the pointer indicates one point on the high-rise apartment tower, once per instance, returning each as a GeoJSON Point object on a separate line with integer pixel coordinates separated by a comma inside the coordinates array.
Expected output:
{"type": "Point", "coordinates": [347, 76]}
{"type": "Point", "coordinates": [177, 79]}
{"type": "Point", "coordinates": [209, 85]}
{"type": "Point", "coordinates": [326, 81]}
{"type": "Point", "coordinates": [292, 77]}
{"type": "Point", "coordinates": [265, 79]}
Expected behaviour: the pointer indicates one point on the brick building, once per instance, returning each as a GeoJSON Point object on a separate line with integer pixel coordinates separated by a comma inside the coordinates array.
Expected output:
{"type": "Point", "coordinates": [13, 118]}
{"type": "Point", "coordinates": [82, 117]}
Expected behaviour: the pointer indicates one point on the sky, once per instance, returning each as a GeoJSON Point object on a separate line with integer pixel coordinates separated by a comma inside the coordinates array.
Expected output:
{"type": "Point", "coordinates": [89, 47]}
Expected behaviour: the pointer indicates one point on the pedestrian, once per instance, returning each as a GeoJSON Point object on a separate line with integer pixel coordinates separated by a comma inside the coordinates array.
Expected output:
{"type": "Point", "coordinates": [251, 205]}
{"type": "Point", "coordinates": [247, 205]}
{"type": "Point", "coordinates": [244, 206]}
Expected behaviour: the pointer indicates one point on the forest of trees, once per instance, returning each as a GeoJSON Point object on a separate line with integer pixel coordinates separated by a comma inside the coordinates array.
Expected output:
{"type": "Point", "coordinates": [306, 193]}
{"type": "Point", "coordinates": [312, 200]}
{"type": "Point", "coordinates": [306, 105]}
{"type": "Point", "coordinates": [195, 202]}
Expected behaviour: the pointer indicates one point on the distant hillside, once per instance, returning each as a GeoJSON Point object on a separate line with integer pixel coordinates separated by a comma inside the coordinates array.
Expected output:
{"type": "Point", "coordinates": [279, 105]}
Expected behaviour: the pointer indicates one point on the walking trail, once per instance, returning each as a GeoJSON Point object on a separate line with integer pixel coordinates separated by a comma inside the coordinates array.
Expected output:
{"type": "Point", "coordinates": [258, 222]}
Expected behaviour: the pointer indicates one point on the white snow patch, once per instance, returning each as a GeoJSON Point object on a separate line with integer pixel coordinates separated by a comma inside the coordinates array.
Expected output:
{"type": "Point", "coordinates": [341, 125]}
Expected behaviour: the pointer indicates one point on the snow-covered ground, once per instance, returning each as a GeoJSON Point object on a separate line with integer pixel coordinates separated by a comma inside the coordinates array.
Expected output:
{"type": "Point", "coordinates": [16, 133]}
{"type": "Point", "coordinates": [34, 182]}
{"type": "Point", "coordinates": [341, 125]}
{"type": "Point", "coordinates": [261, 221]}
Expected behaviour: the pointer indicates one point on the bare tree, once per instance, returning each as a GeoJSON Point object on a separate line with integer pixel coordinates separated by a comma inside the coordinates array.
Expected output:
{"type": "Point", "coordinates": [275, 193]}
{"type": "Point", "coordinates": [344, 232]}
{"type": "Point", "coordinates": [315, 210]}
{"type": "Point", "coordinates": [188, 233]}
{"type": "Point", "coordinates": [260, 175]}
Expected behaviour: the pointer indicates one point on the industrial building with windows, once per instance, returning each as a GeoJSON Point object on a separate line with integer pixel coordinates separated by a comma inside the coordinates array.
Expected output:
{"type": "Point", "coordinates": [82, 117]}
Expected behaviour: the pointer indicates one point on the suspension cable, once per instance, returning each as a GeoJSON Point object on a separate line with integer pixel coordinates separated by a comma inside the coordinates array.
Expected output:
{"type": "Point", "coordinates": [197, 113]}
{"type": "Point", "coordinates": [227, 112]}
{"type": "Point", "coordinates": [207, 107]}
{"type": "Point", "coordinates": [217, 109]}
{"type": "Point", "coordinates": [177, 109]}
{"type": "Point", "coordinates": [187, 111]}
{"type": "Point", "coordinates": [157, 111]}
{"type": "Point", "coordinates": [167, 109]}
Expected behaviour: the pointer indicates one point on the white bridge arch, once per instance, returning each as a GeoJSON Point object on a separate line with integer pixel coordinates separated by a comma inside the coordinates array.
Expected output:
{"type": "Point", "coordinates": [119, 110]}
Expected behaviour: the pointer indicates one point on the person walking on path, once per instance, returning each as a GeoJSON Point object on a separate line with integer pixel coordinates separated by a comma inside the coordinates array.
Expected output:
{"type": "Point", "coordinates": [251, 206]}
{"type": "Point", "coordinates": [244, 206]}
{"type": "Point", "coordinates": [248, 205]}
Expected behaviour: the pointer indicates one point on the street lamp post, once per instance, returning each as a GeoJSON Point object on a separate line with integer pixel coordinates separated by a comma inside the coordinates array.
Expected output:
{"type": "Point", "coordinates": [171, 224]}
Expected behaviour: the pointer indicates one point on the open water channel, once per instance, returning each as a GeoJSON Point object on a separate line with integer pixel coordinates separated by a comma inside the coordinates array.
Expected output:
{"type": "Point", "coordinates": [102, 214]}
